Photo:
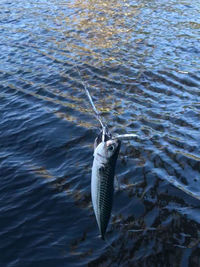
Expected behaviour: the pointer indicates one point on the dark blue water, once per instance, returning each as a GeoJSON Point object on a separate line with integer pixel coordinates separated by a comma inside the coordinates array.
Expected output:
{"type": "Point", "coordinates": [141, 62]}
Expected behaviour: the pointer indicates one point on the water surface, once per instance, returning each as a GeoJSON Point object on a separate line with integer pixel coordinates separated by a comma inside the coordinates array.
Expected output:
{"type": "Point", "coordinates": [141, 63]}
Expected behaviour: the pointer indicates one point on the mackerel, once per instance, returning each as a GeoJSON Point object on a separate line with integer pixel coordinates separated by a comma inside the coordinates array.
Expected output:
{"type": "Point", "coordinates": [102, 188]}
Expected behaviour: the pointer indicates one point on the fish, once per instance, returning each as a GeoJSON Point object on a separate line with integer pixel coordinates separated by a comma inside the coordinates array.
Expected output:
{"type": "Point", "coordinates": [102, 181]}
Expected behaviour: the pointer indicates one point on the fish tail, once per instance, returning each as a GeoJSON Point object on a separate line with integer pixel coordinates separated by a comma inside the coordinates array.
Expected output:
{"type": "Point", "coordinates": [108, 243]}
{"type": "Point", "coordinates": [102, 237]}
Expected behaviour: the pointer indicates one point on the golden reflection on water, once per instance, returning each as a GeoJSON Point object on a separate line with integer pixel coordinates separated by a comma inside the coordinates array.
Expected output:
{"type": "Point", "coordinates": [188, 155]}
{"type": "Point", "coordinates": [40, 170]}
{"type": "Point", "coordinates": [95, 32]}
{"type": "Point", "coordinates": [104, 23]}
{"type": "Point", "coordinates": [74, 119]}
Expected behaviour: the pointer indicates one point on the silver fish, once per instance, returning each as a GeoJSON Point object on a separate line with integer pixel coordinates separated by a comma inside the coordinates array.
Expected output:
{"type": "Point", "coordinates": [103, 171]}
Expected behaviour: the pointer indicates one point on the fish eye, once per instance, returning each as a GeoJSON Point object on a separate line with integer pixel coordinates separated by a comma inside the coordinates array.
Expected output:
{"type": "Point", "coordinates": [111, 148]}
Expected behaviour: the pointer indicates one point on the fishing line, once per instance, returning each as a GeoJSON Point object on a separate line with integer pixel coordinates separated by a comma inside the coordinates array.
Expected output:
{"type": "Point", "coordinates": [96, 112]}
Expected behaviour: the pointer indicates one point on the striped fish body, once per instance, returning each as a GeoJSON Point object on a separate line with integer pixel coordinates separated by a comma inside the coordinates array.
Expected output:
{"type": "Point", "coordinates": [103, 171]}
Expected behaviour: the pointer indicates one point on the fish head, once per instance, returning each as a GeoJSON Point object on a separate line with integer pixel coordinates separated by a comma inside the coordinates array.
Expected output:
{"type": "Point", "coordinates": [98, 139]}
{"type": "Point", "coordinates": [108, 150]}
{"type": "Point", "coordinates": [112, 147]}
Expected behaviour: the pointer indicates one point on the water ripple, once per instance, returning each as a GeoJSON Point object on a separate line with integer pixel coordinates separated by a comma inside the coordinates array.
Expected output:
{"type": "Point", "coordinates": [140, 63]}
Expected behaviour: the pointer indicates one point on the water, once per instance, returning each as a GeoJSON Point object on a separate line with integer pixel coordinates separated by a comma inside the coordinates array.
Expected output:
{"type": "Point", "coordinates": [141, 62]}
